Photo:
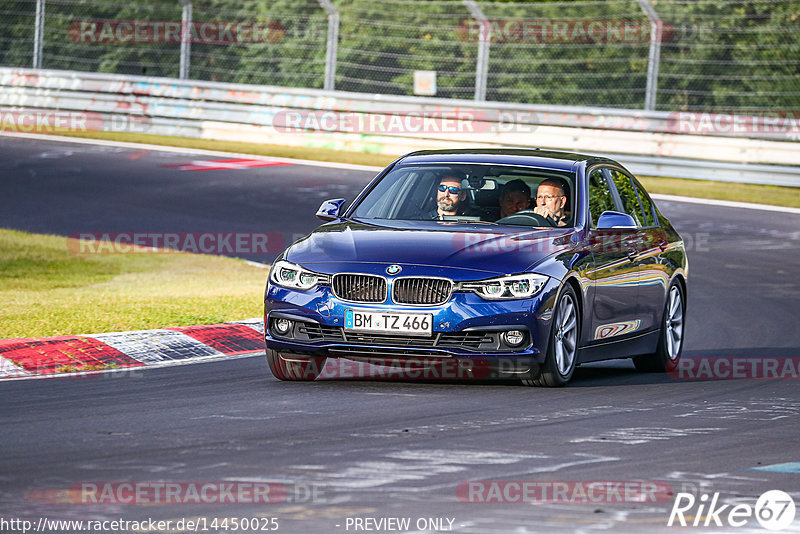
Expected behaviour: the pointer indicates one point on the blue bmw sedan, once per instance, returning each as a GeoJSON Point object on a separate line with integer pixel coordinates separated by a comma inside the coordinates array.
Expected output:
{"type": "Point", "coordinates": [525, 263]}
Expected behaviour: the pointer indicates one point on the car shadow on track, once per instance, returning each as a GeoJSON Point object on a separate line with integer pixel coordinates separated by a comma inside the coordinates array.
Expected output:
{"type": "Point", "coordinates": [696, 366]}
{"type": "Point", "coordinates": [753, 352]}
{"type": "Point", "coordinates": [607, 373]}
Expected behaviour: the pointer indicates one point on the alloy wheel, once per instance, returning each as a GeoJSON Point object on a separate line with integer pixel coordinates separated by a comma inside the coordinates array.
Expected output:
{"type": "Point", "coordinates": [674, 323]}
{"type": "Point", "coordinates": [566, 335]}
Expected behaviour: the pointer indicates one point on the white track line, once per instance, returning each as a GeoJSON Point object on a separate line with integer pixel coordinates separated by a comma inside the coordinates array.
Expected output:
{"type": "Point", "coordinates": [726, 203]}
{"type": "Point", "coordinates": [197, 151]}
{"type": "Point", "coordinates": [350, 166]}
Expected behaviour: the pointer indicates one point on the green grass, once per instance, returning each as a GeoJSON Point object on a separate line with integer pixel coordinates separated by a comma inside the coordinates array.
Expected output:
{"type": "Point", "coordinates": [316, 154]}
{"type": "Point", "coordinates": [47, 289]}
{"type": "Point", "coordinates": [759, 194]}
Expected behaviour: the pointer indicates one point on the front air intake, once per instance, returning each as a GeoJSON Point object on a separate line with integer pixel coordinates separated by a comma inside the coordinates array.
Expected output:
{"type": "Point", "coordinates": [359, 287]}
{"type": "Point", "coordinates": [421, 291]}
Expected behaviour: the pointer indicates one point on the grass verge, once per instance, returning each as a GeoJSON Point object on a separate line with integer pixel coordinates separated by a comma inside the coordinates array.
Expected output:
{"type": "Point", "coordinates": [278, 151]}
{"type": "Point", "coordinates": [759, 194]}
{"type": "Point", "coordinates": [774, 195]}
{"type": "Point", "coordinates": [48, 290]}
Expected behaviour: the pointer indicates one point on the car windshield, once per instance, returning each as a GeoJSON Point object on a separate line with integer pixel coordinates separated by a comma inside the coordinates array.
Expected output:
{"type": "Point", "coordinates": [497, 194]}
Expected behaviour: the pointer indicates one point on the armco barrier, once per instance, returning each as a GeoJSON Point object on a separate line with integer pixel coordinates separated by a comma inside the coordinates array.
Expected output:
{"type": "Point", "coordinates": [647, 142]}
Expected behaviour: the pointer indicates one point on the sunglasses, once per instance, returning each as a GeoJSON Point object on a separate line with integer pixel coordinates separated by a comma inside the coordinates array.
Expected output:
{"type": "Point", "coordinates": [453, 189]}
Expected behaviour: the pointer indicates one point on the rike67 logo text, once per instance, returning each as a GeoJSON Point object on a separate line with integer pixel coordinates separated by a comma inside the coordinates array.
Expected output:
{"type": "Point", "coordinates": [774, 510]}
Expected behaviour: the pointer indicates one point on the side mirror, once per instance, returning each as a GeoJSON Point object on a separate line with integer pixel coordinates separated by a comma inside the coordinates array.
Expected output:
{"type": "Point", "coordinates": [330, 209]}
{"type": "Point", "coordinates": [615, 219]}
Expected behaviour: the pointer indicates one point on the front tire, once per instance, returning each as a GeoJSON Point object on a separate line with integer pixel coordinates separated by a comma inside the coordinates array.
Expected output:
{"type": "Point", "coordinates": [562, 351]}
{"type": "Point", "coordinates": [294, 368]}
{"type": "Point", "coordinates": [670, 341]}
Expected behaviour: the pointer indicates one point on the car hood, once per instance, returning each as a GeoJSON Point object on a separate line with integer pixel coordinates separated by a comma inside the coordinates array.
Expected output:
{"type": "Point", "coordinates": [446, 246]}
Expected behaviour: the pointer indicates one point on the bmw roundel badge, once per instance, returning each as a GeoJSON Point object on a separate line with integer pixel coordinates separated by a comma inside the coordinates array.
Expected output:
{"type": "Point", "coordinates": [393, 269]}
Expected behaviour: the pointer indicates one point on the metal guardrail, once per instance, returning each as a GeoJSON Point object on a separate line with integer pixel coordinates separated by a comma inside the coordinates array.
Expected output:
{"type": "Point", "coordinates": [716, 171]}
{"type": "Point", "coordinates": [577, 117]}
{"type": "Point", "coordinates": [648, 142]}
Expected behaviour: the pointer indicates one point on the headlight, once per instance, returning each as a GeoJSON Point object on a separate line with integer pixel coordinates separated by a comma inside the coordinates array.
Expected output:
{"type": "Point", "coordinates": [289, 275]}
{"type": "Point", "coordinates": [518, 286]}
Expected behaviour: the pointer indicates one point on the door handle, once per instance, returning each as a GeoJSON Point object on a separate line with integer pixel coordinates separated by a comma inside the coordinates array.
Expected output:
{"type": "Point", "coordinates": [632, 255]}
{"type": "Point", "coordinates": [662, 245]}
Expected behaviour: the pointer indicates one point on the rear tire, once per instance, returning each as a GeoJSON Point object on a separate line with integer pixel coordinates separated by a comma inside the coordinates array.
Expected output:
{"type": "Point", "coordinates": [562, 351]}
{"type": "Point", "coordinates": [294, 368]}
{"type": "Point", "coordinates": [670, 341]}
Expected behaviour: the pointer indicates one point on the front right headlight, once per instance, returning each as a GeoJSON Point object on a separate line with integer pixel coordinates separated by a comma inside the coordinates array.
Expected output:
{"type": "Point", "coordinates": [518, 286]}
{"type": "Point", "coordinates": [292, 276]}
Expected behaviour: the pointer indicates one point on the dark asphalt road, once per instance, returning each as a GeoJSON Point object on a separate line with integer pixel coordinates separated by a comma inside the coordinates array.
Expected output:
{"type": "Point", "coordinates": [383, 449]}
{"type": "Point", "coordinates": [67, 188]}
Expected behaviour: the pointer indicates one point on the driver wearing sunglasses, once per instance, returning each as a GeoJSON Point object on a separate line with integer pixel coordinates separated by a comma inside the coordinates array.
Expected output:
{"type": "Point", "coordinates": [449, 197]}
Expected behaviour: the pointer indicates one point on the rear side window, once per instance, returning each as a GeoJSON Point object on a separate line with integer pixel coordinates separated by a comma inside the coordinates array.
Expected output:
{"type": "Point", "coordinates": [600, 197]}
{"type": "Point", "coordinates": [628, 195]}
{"type": "Point", "coordinates": [647, 204]}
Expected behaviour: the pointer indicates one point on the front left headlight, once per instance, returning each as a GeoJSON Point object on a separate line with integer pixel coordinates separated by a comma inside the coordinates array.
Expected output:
{"type": "Point", "coordinates": [292, 276]}
{"type": "Point", "coordinates": [518, 286]}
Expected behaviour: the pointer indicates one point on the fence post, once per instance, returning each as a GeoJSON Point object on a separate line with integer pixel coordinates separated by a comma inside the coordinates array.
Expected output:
{"type": "Point", "coordinates": [655, 55]}
{"type": "Point", "coordinates": [186, 40]}
{"type": "Point", "coordinates": [332, 45]}
{"type": "Point", "coordinates": [482, 67]}
{"type": "Point", "coordinates": [38, 35]}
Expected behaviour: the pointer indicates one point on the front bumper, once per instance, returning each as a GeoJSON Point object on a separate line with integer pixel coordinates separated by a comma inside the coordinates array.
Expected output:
{"type": "Point", "coordinates": [465, 327]}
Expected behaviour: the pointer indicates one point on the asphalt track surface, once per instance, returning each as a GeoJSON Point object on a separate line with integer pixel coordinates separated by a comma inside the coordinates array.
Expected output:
{"type": "Point", "coordinates": [391, 448]}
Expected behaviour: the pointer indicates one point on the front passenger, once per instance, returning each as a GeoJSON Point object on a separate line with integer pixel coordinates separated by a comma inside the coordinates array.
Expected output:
{"type": "Point", "coordinates": [516, 196]}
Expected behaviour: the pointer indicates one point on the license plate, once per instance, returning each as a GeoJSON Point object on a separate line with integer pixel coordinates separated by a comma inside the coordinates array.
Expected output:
{"type": "Point", "coordinates": [395, 323]}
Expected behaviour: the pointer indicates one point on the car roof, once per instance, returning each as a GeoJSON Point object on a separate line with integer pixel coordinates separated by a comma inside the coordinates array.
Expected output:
{"type": "Point", "coordinates": [502, 156]}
